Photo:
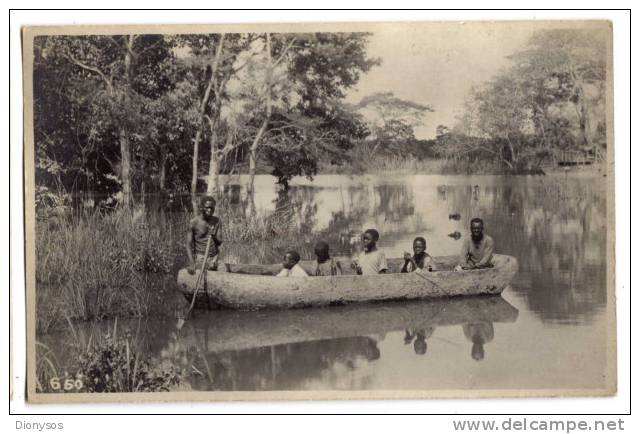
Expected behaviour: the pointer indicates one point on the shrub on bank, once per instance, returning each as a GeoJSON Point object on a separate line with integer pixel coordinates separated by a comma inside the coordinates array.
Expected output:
{"type": "Point", "coordinates": [113, 365]}
{"type": "Point", "coordinates": [108, 363]}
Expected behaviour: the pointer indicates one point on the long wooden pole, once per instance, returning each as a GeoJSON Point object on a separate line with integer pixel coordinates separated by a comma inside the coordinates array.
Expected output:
{"type": "Point", "coordinates": [200, 277]}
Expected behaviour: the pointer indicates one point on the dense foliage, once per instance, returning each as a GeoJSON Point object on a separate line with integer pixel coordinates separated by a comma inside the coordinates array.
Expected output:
{"type": "Point", "coordinates": [128, 114]}
{"type": "Point", "coordinates": [133, 113]}
{"type": "Point", "coordinates": [551, 99]}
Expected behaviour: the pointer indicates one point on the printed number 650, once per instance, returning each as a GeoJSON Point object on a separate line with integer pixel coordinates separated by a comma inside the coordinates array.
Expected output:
{"type": "Point", "coordinates": [69, 384]}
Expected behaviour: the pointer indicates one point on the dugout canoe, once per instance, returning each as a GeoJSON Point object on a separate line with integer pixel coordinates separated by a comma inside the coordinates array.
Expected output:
{"type": "Point", "coordinates": [246, 286]}
{"type": "Point", "coordinates": [233, 330]}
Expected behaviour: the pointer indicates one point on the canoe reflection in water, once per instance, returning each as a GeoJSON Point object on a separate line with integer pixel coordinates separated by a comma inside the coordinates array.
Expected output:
{"type": "Point", "coordinates": [292, 349]}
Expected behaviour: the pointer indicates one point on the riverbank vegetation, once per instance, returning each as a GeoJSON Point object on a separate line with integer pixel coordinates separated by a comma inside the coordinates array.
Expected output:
{"type": "Point", "coordinates": [122, 119]}
{"type": "Point", "coordinates": [133, 114]}
{"type": "Point", "coordinates": [106, 263]}
{"type": "Point", "coordinates": [105, 362]}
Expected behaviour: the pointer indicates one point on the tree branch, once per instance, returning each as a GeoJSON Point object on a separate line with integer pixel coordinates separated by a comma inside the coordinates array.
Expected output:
{"type": "Point", "coordinates": [284, 52]}
{"type": "Point", "coordinates": [90, 68]}
{"type": "Point", "coordinates": [216, 62]}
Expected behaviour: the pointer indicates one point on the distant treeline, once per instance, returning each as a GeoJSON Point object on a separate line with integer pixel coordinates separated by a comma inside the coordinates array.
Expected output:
{"type": "Point", "coordinates": [132, 114]}
{"type": "Point", "coordinates": [551, 99]}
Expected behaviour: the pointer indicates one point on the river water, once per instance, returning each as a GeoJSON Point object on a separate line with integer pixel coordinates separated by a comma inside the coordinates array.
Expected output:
{"type": "Point", "coordinates": [547, 331]}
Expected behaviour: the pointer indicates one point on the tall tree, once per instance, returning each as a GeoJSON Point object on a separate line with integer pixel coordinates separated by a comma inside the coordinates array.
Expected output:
{"type": "Point", "coordinates": [210, 47]}
{"type": "Point", "coordinates": [291, 82]}
{"type": "Point", "coordinates": [391, 120]}
{"type": "Point", "coordinates": [566, 65]}
{"type": "Point", "coordinates": [275, 53]}
{"type": "Point", "coordinates": [520, 116]}
{"type": "Point", "coordinates": [113, 77]}
{"type": "Point", "coordinates": [313, 70]}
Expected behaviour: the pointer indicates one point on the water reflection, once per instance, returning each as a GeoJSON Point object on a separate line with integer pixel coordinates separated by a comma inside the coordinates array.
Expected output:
{"type": "Point", "coordinates": [478, 333]}
{"type": "Point", "coordinates": [555, 226]}
{"type": "Point", "coordinates": [419, 338]}
{"type": "Point", "coordinates": [557, 230]}
{"type": "Point", "coordinates": [285, 350]}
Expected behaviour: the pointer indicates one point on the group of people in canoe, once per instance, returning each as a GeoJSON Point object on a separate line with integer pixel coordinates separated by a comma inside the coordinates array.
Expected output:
{"type": "Point", "coordinates": [203, 247]}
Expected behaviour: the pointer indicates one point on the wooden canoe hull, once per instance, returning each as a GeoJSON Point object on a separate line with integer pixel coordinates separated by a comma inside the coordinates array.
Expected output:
{"type": "Point", "coordinates": [255, 287]}
{"type": "Point", "coordinates": [239, 330]}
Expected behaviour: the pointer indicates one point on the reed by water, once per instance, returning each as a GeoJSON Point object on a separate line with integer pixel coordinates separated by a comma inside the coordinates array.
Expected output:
{"type": "Point", "coordinates": [123, 264]}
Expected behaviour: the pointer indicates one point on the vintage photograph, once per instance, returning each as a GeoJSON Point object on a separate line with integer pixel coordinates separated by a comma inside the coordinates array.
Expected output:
{"type": "Point", "coordinates": [319, 211]}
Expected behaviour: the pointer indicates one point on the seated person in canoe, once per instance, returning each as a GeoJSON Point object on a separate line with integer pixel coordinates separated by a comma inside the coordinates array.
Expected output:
{"type": "Point", "coordinates": [325, 265]}
{"type": "Point", "coordinates": [371, 260]}
{"type": "Point", "coordinates": [477, 248]}
{"type": "Point", "coordinates": [202, 227]}
{"type": "Point", "coordinates": [420, 260]}
{"type": "Point", "coordinates": [290, 266]}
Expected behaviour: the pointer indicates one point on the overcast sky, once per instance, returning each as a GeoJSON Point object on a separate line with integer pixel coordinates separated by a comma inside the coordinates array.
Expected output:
{"type": "Point", "coordinates": [437, 64]}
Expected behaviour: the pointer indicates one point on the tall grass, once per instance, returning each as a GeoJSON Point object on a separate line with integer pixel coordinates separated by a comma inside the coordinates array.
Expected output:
{"type": "Point", "coordinates": [98, 266]}
{"type": "Point", "coordinates": [104, 265]}
{"type": "Point", "coordinates": [47, 368]}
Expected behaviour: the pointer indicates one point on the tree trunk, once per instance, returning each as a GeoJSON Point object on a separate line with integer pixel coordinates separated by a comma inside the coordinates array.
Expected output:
{"type": "Point", "coordinates": [251, 198]}
{"type": "Point", "coordinates": [125, 167]}
{"type": "Point", "coordinates": [214, 164]}
{"type": "Point", "coordinates": [252, 169]}
{"type": "Point", "coordinates": [213, 185]}
{"type": "Point", "coordinates": [253, 150]}
{"type": "Point", "coordinates": [203, 107]}
{"type": "Point", "coordinates": [163, 172]}
{"type": "Point", "coordinates": [125, 149]}
{"type": "Point", "coordinates": [194, 171]}
{"type": "Point", "coordinates": [581, 109]}
{"type": "Point", "coordinates": [584, 122]}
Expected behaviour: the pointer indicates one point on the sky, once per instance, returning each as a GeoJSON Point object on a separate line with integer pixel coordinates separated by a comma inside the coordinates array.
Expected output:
{"type": "Point", "coordinates": [438, 63]}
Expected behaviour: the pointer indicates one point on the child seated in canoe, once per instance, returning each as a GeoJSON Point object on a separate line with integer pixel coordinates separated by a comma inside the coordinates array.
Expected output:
{"type": "Point", "coordinates": [290, 267]}
{"type": "Point", "coordinates": [420, 260]}
{"type": "Point", "coordinates": [371, 260]}
{"type": "Point", "coordinates": [325, 265]}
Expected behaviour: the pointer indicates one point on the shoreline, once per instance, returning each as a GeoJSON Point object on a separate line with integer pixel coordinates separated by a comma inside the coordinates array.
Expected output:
{"type": "Point", "coordinates": [576, 172]}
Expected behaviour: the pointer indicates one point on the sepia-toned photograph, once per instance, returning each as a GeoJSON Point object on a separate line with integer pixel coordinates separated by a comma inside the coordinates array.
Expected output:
{"type": "Point", "coordinates": [319, 211]}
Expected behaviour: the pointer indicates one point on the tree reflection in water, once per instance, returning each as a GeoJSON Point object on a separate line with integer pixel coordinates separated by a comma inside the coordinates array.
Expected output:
{"type": "Point", "coordinates": [556, 227]}
{"type": "Point", "coordinates": [557, 230]}
{"type": "Point", "coordinates": [288, 350]}
{"type": "Point", "coordinates": [283, 367]}
{"type": "Point", "coordinates": [347, 212]}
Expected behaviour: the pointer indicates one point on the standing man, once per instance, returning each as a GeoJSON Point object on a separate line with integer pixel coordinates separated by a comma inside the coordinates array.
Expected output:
{"type": "Point", "coordinates": [200, 228]}
{"type": "Point", "coordinates": [477, 250]}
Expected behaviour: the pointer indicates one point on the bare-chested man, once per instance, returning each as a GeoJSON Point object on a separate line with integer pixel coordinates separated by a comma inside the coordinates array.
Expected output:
{"type": "Point", "coordinates": [200, 227]}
